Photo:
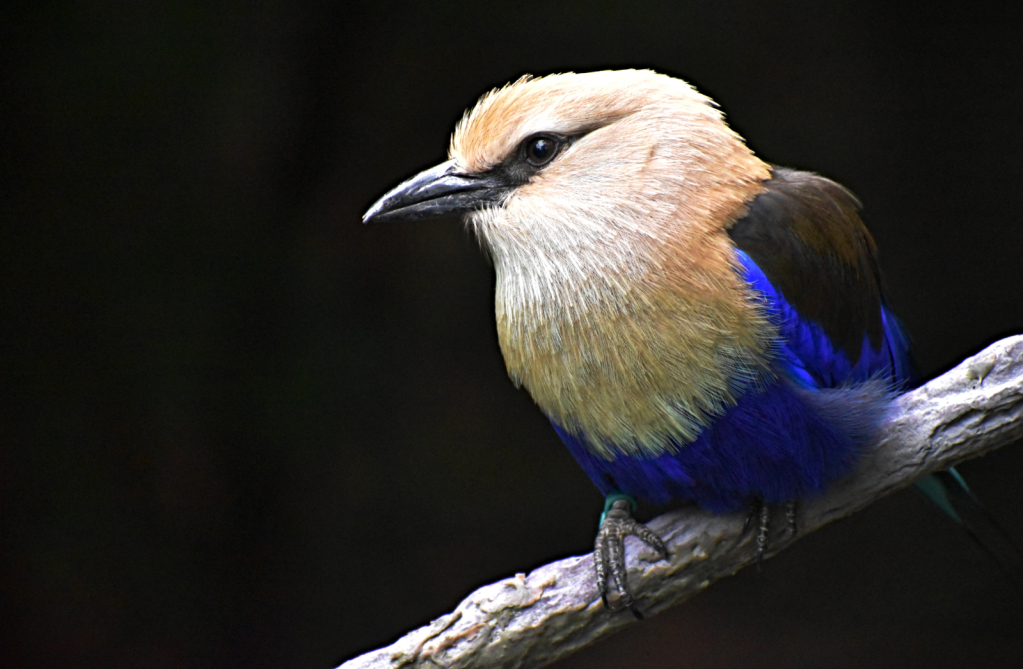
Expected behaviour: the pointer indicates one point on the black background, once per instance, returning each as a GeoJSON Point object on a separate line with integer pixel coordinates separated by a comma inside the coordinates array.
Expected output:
{"type": "Point", "coordinates": [241, 429]}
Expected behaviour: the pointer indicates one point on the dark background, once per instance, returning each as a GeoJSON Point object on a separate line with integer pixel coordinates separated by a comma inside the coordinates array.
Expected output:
{"type": "Point", "coordinates": [240, 429]}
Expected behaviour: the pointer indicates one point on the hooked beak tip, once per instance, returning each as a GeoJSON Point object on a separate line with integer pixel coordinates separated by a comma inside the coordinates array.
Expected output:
{"type": "Point", "coordinates": [436, 192]}
{"type": "Point", "coordinates": [370, 212]}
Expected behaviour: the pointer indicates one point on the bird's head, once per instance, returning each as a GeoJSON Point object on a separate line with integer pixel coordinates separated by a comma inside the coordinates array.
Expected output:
{"type": "Point", "coordinates": [624, 164]}
{"type": "Point", "coordinates": [603, 199]}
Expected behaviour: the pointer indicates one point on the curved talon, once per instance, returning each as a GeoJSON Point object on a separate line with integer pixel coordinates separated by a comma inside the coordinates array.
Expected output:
{"type": "Point", "coordinates": [609, 554]}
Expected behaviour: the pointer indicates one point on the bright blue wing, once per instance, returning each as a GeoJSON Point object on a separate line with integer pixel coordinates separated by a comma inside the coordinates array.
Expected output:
{"type": "Point", "coordinates": [810, 357]}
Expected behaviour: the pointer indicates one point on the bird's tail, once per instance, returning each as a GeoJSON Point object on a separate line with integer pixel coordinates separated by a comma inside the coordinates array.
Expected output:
{"type": "Point", "coordinates": [948, 491]}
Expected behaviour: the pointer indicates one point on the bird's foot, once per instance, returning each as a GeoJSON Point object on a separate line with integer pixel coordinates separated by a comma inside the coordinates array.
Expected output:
{"type": "Point", "coordinates": [609, 551]}
{"type": "Point", "coordinates": [763, 533]}
{"type": "Point", "coordinates": [762, 514]}
{"type": "Point", "coordinates": [790, 520]}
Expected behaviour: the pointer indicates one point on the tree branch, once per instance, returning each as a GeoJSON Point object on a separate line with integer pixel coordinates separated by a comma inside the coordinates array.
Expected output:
{"type": "Point", "coordinates": [536, 619]}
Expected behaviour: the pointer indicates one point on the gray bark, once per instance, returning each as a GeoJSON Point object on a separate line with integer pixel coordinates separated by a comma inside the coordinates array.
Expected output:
{"type": "Point", "coordinates": [531, 620]}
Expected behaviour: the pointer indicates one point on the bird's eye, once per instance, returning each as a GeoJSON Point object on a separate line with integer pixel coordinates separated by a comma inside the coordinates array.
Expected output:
{"type": "Point", "coordinates": [541, 150]}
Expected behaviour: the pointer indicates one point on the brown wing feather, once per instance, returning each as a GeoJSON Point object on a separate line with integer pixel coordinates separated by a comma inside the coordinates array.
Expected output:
{"type": "Point", "coordinates": [805, 233]}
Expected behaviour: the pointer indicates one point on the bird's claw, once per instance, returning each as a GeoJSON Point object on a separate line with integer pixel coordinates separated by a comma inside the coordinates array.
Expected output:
{"type": "Point", "coordinates": [609, 554]}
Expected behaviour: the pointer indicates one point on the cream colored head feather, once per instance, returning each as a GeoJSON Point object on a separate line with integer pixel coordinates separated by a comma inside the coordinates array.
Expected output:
{"type": "Point", "coordinates": [619, 306]}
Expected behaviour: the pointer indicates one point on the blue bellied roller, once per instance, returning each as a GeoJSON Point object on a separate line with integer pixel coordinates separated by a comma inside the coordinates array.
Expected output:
{"type": "Point", "coordinates": [698, 325]}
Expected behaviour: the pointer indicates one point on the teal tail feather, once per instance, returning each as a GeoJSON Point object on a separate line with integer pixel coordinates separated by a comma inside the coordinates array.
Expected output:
{"type": "Point", "coordinates": [949, 492]}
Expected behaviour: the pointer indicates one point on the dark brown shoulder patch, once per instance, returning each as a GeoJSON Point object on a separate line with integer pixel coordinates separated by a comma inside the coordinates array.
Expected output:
{"type": "Point", "coordinates": [805, 233]}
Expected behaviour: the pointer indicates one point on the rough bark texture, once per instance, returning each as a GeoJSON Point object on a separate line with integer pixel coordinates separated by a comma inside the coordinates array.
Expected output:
{"type": "Point", "coordinates": [529, 621]}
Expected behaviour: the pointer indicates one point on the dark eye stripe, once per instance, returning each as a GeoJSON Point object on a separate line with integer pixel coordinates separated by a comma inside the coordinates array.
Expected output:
{"type": "Point", "coordinates": [530, 157]}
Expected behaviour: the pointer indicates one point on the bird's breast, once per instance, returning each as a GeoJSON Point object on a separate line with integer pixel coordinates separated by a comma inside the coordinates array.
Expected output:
{"type": "Point", "coordinates": [636, 364]}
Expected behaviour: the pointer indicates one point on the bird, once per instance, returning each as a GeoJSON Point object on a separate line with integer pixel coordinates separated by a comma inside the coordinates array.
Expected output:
{"type": "Point", "coordinates": [698, 325]}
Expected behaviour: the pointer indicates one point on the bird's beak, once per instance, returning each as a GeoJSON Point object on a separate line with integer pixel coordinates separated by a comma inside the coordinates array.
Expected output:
{"type": "Point", "coordinates": [438, 191]}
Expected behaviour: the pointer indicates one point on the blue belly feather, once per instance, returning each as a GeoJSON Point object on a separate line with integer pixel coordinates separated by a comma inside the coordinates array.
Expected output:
{"type": "Point", "coordinates": [780, 442]}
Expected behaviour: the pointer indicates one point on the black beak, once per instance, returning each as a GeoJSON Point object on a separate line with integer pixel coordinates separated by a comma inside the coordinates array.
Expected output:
{"type": "Point", "coordinates": [438, 191]}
